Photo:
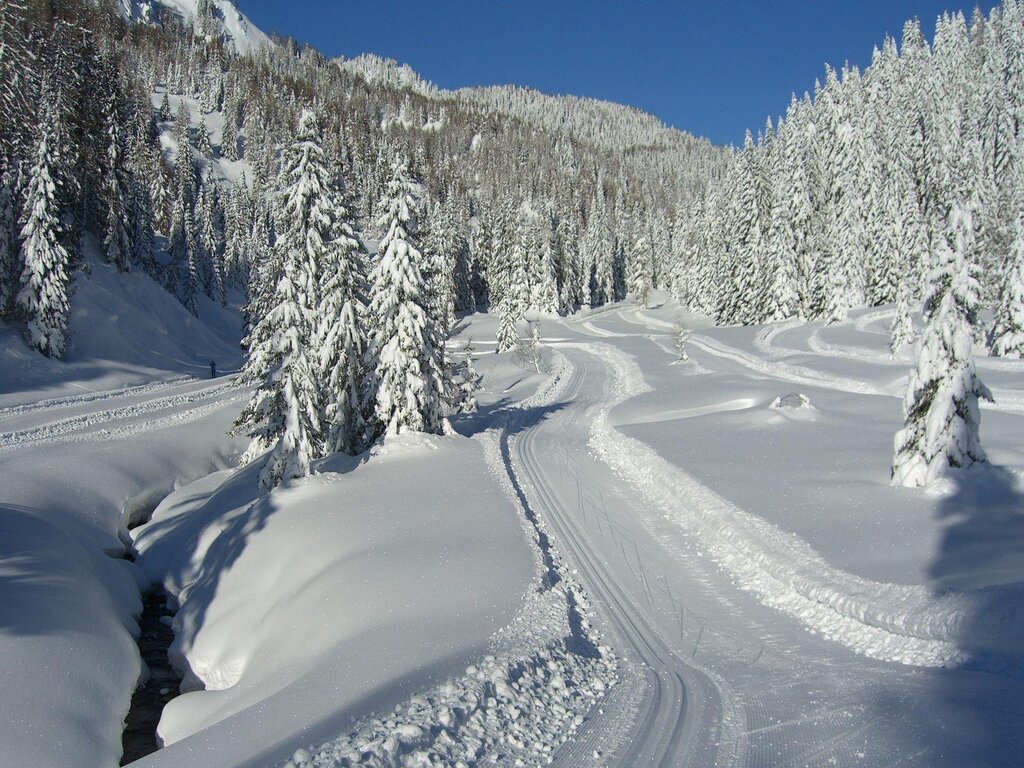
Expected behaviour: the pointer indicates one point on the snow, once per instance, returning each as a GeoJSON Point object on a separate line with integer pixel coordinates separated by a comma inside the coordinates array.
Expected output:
{"type": "Point", "coordinates": [224, 170]}
{"type": "Point", "coordinates": [793, 503]}
{"type": "Point", "coordinates": [124, 330]}
{"type": "Point", "coordinates": [240, 32]}
{"type": "Point", "coordinates": [618, 560]}
{"type": "Point", "coordinates": [389, 592]}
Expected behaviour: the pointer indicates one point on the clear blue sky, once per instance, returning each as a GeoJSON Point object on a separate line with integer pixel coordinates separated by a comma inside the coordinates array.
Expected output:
{"type": "Point", "coordinates": [713, 68]}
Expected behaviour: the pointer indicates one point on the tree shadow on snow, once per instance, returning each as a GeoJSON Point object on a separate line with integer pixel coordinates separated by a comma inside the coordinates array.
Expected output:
{"type": "Point", "coordinates": [504, 414]}
{"type": "Point", "coordinates": [982, 557]}
{"type": "Point", "coordinates": [976, 711]}
{"type": "Point", "coordinates": [239, 510]}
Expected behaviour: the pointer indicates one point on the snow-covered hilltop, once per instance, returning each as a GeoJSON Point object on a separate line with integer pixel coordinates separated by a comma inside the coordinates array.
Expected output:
{"type": "Point", "coordinates": [234, 26]}
{"type": "Point", "coordinates": [602, 123]}
{"type": "Point", "coordinates": [377, 70]}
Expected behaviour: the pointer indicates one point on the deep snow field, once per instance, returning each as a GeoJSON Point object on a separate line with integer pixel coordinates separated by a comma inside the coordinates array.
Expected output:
{"type": "Point", "coordinates": [621, 560]}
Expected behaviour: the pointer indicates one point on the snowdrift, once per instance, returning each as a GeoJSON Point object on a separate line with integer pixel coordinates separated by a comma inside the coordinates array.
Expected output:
{"type": "Point", "coordinates": [331, 597]}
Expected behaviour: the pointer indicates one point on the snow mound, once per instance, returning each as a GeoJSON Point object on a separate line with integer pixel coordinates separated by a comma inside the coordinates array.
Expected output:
{"type": "Point", "coordinates": [67, 647]}
{"type": "Point", "coordinates": [332, 597]}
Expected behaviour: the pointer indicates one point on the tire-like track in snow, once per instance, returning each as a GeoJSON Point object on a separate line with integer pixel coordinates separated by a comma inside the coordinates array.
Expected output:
{"type": "Point", "coordinates": [680, 705]}
{"type": "Point", "coordinates": [134, 418]}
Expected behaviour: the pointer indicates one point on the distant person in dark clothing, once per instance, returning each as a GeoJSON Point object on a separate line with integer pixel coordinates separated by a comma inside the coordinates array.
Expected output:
{"type": "Point", "coordinates": [213, 369]}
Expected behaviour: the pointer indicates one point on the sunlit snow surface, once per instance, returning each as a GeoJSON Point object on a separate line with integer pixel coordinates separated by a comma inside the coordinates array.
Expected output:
{"type": "Point", "coordinates": [623, 560]}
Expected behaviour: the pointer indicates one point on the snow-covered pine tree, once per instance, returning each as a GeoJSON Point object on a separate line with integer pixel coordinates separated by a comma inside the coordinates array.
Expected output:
{"type": "Point", "coordinates": [479, 254]}
{"type": "Point", "coordinates": [141, 219]}
{"type": "Point", "coordinates": [211, 237]}
{"type": "Point", "coordinates": [409, 385]}
{"type": "Point", "coordinates": [45, 277]}
{"type": "Point", "coordinates": [641, 258]}
{"type": "Point", "coordinates": [941, 402]}
{"type": "Point", "coordinates": [229, 148]}
{"type": "Point", "coordinates": [599, 251]}
{"type": "Point", "coordinates": [284, 413]}
{"type": "Point", "coordinates": [508, 334]}
{"type": "Point", "coordinates": [902, 330]}
{"type": "Point", "coordinates": [524, 251]}
{"type": "Point", "coordinates": [746, 245]}
{"type": "Point", "coordinates": [15, 75]}
{"type": "Point", "coordinates": [341, 332]}
{"type": "Point", "coordinates": [177, 244]}
{"type": "Point", "coordinates": [164, 112]}
{"type": "Point", "coordinates": [1007, 336]}
{"type": "Point", "coordinates": [543, 286]}
{"type": "Point", "coordinates": [440, 253]}
{"type": "Point", "coordinates": [9, 256]}
{"type": "Point", "coordinates": [117, 245]}
{"type": "Point", "coordinates": [203, 144]}
{"type": "Point", "coordinates": [468, 381]}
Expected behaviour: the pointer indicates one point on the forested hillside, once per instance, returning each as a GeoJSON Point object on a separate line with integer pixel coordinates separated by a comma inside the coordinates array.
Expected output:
{"type": "Point", "coordinates": [163, 135]}
{"type": "Point", "coordinates": [855, 194]}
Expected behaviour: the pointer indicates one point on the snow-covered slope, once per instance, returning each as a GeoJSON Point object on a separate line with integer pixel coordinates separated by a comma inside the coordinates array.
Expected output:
{"type": "Point", "coordinates": [125, 330]}
{"type": "Point", "coordinates": [238, 30]}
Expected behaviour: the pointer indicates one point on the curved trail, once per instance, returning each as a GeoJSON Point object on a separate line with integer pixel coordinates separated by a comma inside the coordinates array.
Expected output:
{"type": "Point", "coordinates": [728, 680]}
{"type": "Point", "coordinates": [91, 397]}
{"type": "Point", "coordinates": [1004, 401]}
{"type": "Point", "coordinates": [680, 703]}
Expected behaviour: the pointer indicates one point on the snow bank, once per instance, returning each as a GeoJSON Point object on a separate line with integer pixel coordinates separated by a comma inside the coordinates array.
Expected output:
{"type": "Point", "coordinates": [86, 443]}
{"type": "Point", "coordinates": [332, 597]}
{"type": "Point", "coordinates": [67, 644]}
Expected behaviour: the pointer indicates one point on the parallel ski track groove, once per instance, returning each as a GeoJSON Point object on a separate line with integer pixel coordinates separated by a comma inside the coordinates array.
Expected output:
{"type": "Point", "coordinates": [666, 726]}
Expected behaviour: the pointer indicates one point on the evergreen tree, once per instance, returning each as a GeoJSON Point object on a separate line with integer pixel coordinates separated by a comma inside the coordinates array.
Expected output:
{"type": "Point", "coordinates": [467, 383]}
{"type": "Point", "coordinates": [203, 145]}
{"type": "Point", "coordinates": [16, 76]}
{"type": "Point", "coordinates": [211, 237]}
{"type": "Point", "coordinates": [341, 334]}
{"type": "Point", "coordinates": [902, 331]}
{"type": "Point", "coordinates": [409, 384]}
{"type": "Point", "coordinates": [508, 334]}
{"type": "Point", "coordinates": [1007, 335]}
{"type": "Point", "coordinates": [284, 413]}
{"type": "Point", "coordinates": [9, 256]}
{"type": "Point", "coordinates": [116, 242]}
{"type": "Point", "coordinates": [941, 403]}
{"type": "Point", "coordinates": [164, 112]}
{"type": "Point", "coordinates": [45, 278]}
{"type": "Point", "coordinates": [141, 218]}
{"type": "Point", "coordinates": [543, 286]}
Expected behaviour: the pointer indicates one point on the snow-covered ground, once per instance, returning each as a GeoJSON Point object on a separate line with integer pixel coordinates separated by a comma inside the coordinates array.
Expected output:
{"type": "Point", "coordinates": [622, 560]}
{"type": "Point", "coordinates": [86, 443]}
